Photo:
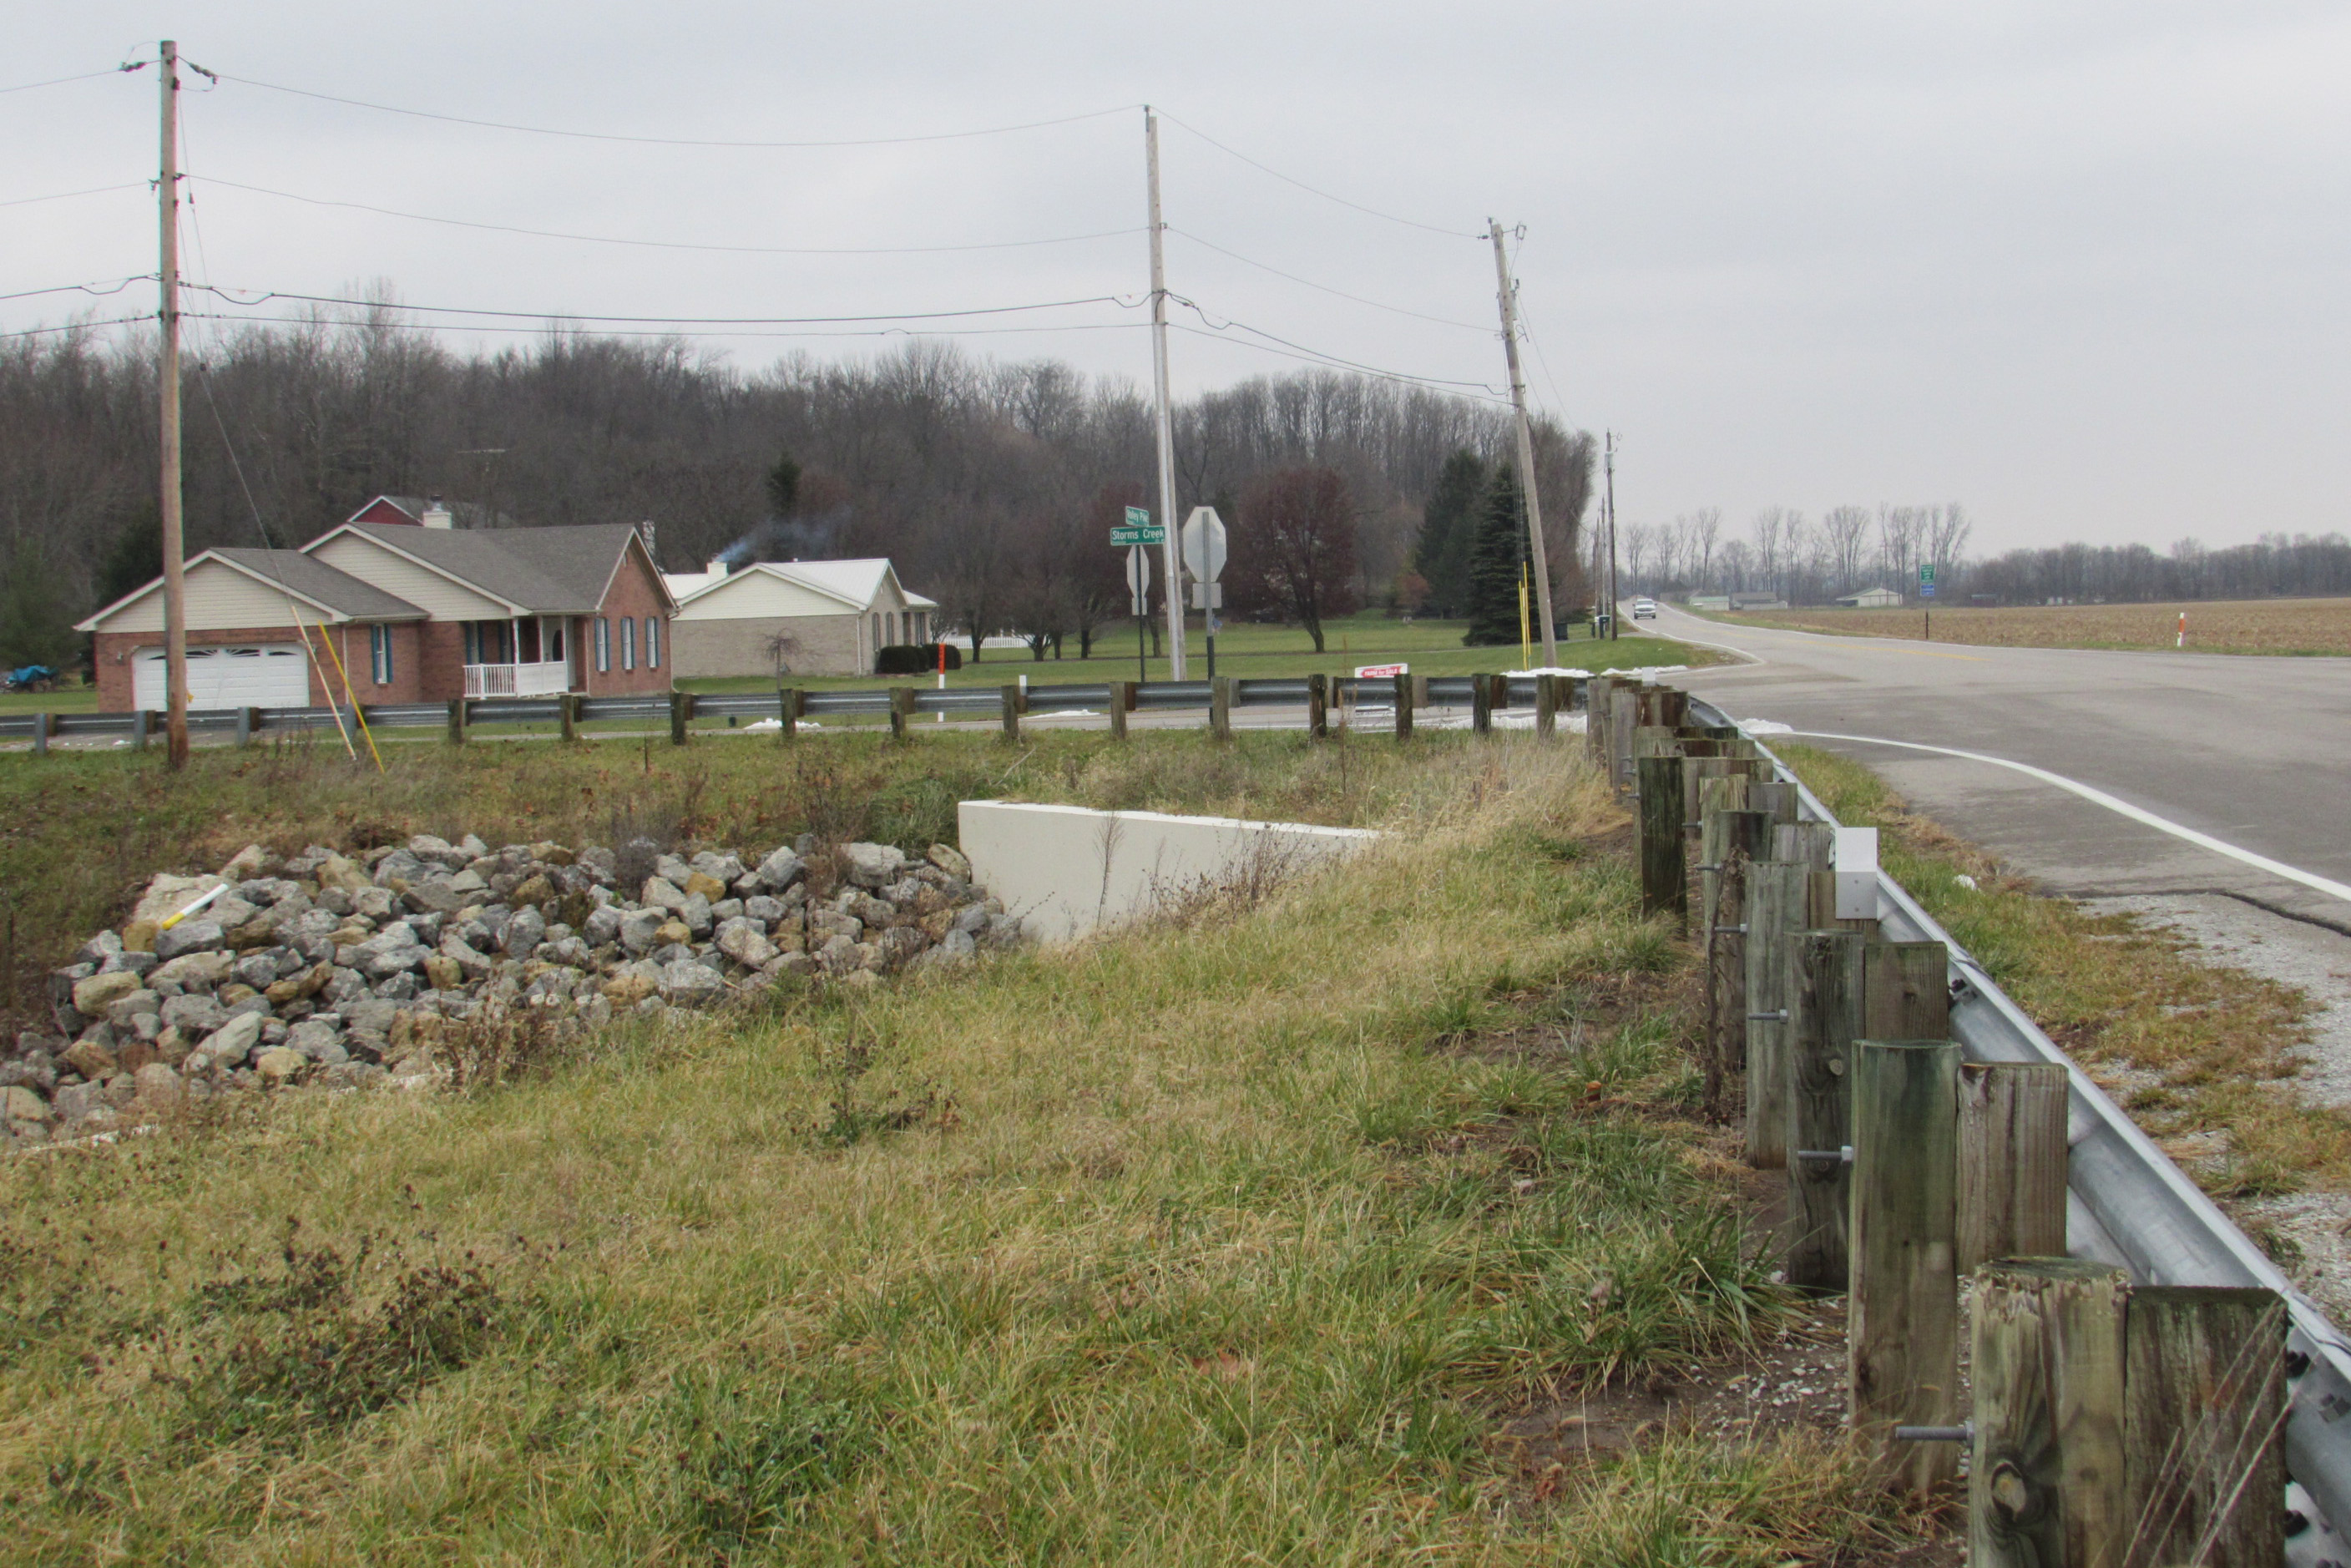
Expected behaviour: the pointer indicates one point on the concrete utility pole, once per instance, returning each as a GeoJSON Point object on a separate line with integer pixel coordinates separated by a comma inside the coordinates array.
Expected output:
{"type": "Point", "coordinates": [175, 616]}
{"type": "Point", "coordinates": [1612, 536]}
{"type": "Point", "coordinates": [1525, 444]}
{"type": "Point", "coordinates": [1174, 592]}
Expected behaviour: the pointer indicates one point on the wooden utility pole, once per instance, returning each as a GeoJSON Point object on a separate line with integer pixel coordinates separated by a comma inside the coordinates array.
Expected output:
{"type": "Point", "coordinates": [1609, 501]}
{"type": "Point", "coordinates": [1525, 444]}
{"type": "Point", "coordinates": [175, 614]}
{"type": "Point", "coordinates": [1167, 432]}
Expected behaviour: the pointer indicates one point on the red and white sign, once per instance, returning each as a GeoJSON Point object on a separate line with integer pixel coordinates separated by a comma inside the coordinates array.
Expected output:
{"type": "Point", "coordinates": [1375, 672]}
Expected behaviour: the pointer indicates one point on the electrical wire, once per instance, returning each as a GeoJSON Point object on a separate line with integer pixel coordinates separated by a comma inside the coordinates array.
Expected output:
{"type": "Point", "coordinates": [1310, 282]}
{"type": "Point", "coordinates": [60, 81]}
{"type": "Point", "coordinates": [68, 195]}
{"type": "Point", "coordinates": [677, 141]}
{"type": "Point", "coordinates": [1485, 388]}
{"type": "Point", "coordinates": [674, 245]}
{"type": "Point", "coordinates": [265, 296]}
{"type": "Point", "coordinates": [555, 324]}
{"type": "Point", "coordinates": [76, 326]}
{"type": "Point", "coordinates": [1400, 378]}
{"type": "Point", "coordinates": [112, 287]}
{"type": "Point", "coordinates": [1317, 191]}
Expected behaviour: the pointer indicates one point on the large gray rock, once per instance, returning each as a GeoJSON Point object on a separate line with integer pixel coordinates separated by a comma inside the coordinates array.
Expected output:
{"type": "Point", "coordinates": [321, 1042]}
{"type": "Point", "coordinates": [781, 869]}
{"type": "Point", "coordinates": [744, 942]}
{"type": "Point", "coordinates": [94, 996]}
{"type": "Point", "coordinates": [1003, 931]}
{"type": "Point", "coordinates": [439, 895]}
{"type": "Point", "coordinates": [726, 868]}
{"type": "Point", "coordinates": [641, 929]}
{"type": "Point", "coordinates": [970, 920]}
{"type": "Point", "coordinates": [524, 933]}
{"type": "Point", "coordinates": [123, 1009]}
{"type": "Point", "coordinates": [603, 925]}
{"type": "Point", "coordinates": [765, 910]}
{"type": "Point", "coordinates": [872, 865]}
{"type": "Point", "coordinates": [684, 983]}
{"type": "Point", "coordinates": [195, 970]}
{"type": "Point", "coordinates": [189, 936]}
{"type": "Point", "coordinates": [76, 1101]}
{"type": "Point", "coordinates": [660, 892]}
{"type": "Point", "coordinates": [193, 1014]}
{"type": "Point", "coordinates": [696, 915]}
{"type": "Point", "coordinates": [828, 923]}
{"type": "Point", "coordinates": [950, 860]}
{"type": "Point", "coordinates": [234, 1041]}
{"type": "Point", "coordinates": [386, 962]}
{"type": "Point", "coordinates": [158, 1086]}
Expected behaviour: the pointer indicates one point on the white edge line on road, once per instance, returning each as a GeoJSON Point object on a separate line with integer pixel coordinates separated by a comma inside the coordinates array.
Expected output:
{"type": "Point", "coordinates": [2124, 808]}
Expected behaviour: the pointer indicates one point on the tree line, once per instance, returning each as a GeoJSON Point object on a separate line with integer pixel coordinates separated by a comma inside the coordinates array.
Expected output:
{"type": "Point", "coordinates": [990, 483]}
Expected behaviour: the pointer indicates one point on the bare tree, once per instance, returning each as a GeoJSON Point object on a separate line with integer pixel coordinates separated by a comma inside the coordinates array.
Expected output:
{"type": "Point", "coordinates": [1844, 531]}
{"type": "Point", "coordinates": [1702, 528]}
{"type": "Point", "coordinates": [1768, 527]}
{"type": "Point", "coordinates": [1294, 549]}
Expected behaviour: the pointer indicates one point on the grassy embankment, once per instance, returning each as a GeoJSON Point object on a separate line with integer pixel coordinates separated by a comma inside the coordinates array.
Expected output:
{"type": "Point", "coordinates": [2199, 1053]}
{"type": "Point", "coordinates": [1214, 1243]}
{"type": "Point", "coordinates": [2276, 626]}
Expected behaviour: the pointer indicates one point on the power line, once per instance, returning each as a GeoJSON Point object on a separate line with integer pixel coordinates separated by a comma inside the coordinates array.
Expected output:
{"type": "Point", "coordinates": [112, 287]}
{"type": "Point", "coordinates": [1484, 387]}
{"type": "Point", "coordinates": [677, 141]}
{"type": "Point", "coordinates": [673, 244]}
{"type": "Point", "coordinates": [1316, 190]}
{"type": "Point", "coordinates": [265, 296]}
{"type": "Point", "coordinates": [60, 81]}
{"type": "Point", "coordinates": [1401, 379]}
{"type": "Point", "coordinates": [68, 195]}
{"type": "Point", "coordinates": [553, 323]}
{"type": "Point", "coordinates": [76, 326]}
{"type": "Point", "coordinates": [1310, 282]}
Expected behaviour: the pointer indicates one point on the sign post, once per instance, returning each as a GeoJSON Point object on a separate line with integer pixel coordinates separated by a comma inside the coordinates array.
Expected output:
{"type": "Point", "coordinates": [1925, 580]}
{"type": "Point", "coordinates": [1204, 558]}
{"type": "Point", "coordinates": [1138, 588]}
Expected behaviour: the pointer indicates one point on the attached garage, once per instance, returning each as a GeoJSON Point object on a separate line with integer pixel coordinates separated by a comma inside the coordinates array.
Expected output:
{"type": "Point", "coordinates": [258, 674]}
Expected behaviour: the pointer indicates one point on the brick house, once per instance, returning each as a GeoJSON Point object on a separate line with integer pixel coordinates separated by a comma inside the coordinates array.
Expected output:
{"type": "Point", "coordinates": [415, 611]}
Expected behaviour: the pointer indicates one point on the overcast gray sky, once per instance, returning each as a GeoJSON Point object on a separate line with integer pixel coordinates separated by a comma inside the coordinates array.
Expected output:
{"type": "Point", "coordinates": [2078, 266]}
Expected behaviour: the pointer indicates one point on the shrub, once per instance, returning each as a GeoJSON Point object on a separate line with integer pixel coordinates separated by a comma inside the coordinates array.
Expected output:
{"type": "Point", "coordinates": [916, 658]}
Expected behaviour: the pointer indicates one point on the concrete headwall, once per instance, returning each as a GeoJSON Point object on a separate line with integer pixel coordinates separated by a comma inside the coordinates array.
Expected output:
{"type": "Point", "coordinates": [1066, 869]}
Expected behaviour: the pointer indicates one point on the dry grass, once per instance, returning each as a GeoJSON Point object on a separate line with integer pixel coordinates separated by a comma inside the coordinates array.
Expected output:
{"type": "Point", "coordinates": [2201, 1054]}
{"type": "Point", "coordinates": [2288, 626]}
{"type": "Point", "coordinates": [1195, 1248]}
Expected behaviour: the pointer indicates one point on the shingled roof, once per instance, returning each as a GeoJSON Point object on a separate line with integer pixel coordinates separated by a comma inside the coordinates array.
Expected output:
{"type": "Point", "coordinates": [543, 571]}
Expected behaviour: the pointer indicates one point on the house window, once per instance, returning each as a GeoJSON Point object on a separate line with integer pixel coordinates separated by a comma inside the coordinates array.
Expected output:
{"type": "Point", "coordinates": [653, 641]}
{"type": "Point", "coordinates": [473, 644]}
{"type": "Point", "coordinates": [555, 653]}
{"type": "Point", "coordinates": [603, 643]}
{"type": "Point", "coordinates": [877, 633]}
{"type": "Point", "coordinates": [627, 642]}
{"type": "Point", "coordinates": [380, 653]}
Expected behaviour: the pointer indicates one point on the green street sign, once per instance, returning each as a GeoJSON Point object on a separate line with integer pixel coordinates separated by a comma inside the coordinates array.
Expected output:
{"type": "Point", "coordinates": [1927, 572]}
{"type": "Point", "coordinates": [1136, 534]}
{"type": "Point", "coordinates": [1138, 517]}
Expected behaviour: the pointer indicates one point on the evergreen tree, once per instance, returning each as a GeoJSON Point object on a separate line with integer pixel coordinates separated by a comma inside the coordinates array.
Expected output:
{"type": "Point", "coordinates": [35, 626]}
{"type": "Point", "coordinates": [1493, 603]}
{"type": "Point", "coordinates": [134, 560]}
{"type": "Point", "coordinates": [1448, 529]}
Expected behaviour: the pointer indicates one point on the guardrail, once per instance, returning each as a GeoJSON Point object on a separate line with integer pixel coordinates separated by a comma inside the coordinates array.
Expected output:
{"type": "Point", "coordinates": [2128, 1204]}
{"type": "Point", "coordinates": [966, 702]}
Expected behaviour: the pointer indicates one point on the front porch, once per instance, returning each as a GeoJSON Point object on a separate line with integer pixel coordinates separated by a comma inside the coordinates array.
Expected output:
{"type": "Point", "coordinates": [529, 656]}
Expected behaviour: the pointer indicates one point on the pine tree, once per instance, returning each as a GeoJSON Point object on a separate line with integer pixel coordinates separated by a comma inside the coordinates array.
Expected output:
{"type": "Point", "coordinates": [1493, 603]}
{"type": "Point", "coordinates": [1447, 530]}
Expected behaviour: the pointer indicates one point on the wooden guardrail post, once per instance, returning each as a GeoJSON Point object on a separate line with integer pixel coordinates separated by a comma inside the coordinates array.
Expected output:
{"type": "Point", "coordinates": [1906, 991]}
{"type": "Point", "coordinates": [1624, 718]}
{"type": "Point", "coordinates": [1729, 845]}
{"type": "Point", "coordinates": [902, 710]}
{"type": "Point", "coordinates": [1809, 843]}
{"type": "Point", "coordinates": [1776, 893]}
{"type": "Point", "coordinates": [1404, 696]}
{"type": "Point", "coordinates": [1481, 703]}
{"type": "Point", "coordinates": [1010, 697]}
{"type": "Point", "coordinates": [1824, 989]}
{"type": "Point", "coordinates": [1599, 700]}
{"type": "Point", "coordinates": [681, 709]}
{"type": "Point", "coordinates": [1122, 703]}
{"type": "Point", "coordinates": [1318, 706]}
{"type": "Point", "coordinates": [1220, 708]}
{"type": "Point", "coordinates": [1902, 1343]}
{"type": "Point", "coordinates": [791, 702]}
{"type": "Point", "coordinates": [2013, 1155]}
{"type": "Point", "coordinates": [1664, 858]}
{"type": "Point", "coordinates": [43, 726]}
{"type": "Point", "coordinates": [566, 715]}
{"type": "Point", "coordinates": [2203, 1426]}
{"type": "Point", "coordinates": [1765, 794]}
{"type": "Point", "coordinates": [2047, 1485]}
{"type": "Point", "coordinates": [457, 721]}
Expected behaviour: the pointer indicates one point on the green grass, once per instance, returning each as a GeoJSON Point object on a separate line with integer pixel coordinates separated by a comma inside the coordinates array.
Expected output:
{"type": "Point", "coordinates": [1203, 1244]}
{"type": "Point", "coordinates": [2199, 1053]}
{"type": "Point", "coordinates": [1247, 650]}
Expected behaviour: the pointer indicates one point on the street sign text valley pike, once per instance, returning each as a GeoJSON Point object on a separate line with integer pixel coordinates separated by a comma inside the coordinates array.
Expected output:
{"type": "Point", "coordinates": [1139, 529]}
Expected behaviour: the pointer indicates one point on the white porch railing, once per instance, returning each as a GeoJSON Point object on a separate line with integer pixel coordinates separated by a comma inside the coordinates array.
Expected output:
{"type": "Point", "coordinates": [547, 680]}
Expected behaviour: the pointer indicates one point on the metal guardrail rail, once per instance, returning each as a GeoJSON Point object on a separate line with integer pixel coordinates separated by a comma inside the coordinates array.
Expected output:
{"type": "Point", "coordinates": [972, 702]}
{"type": "Point", "coordinates": [2127, 1204]}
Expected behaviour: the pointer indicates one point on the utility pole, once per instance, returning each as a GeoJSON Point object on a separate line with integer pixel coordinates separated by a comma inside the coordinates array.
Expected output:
{"type": "Point", "coordinates": [1173, 593]}
{"type": "Point", "coordinates": [1612, 536]}
{"type": "Point", "coordinates": [175, 613]}
{"type": "Point", "coordinates": [1525, 444]}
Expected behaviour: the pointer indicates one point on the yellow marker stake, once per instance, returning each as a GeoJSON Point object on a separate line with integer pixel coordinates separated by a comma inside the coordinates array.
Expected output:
{"type": "Point", "coordinates": [348, 697]}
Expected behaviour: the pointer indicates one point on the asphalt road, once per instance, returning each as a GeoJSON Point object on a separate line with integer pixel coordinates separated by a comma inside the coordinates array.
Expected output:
{"type": "Point", "coordinates": [2254, 752]}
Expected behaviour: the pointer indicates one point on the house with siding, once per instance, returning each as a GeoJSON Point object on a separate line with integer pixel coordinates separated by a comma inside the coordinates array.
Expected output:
{"type": "Point", "coordinates": [401, 611]}
{"type": "Point", "coordinates": [796, 618]}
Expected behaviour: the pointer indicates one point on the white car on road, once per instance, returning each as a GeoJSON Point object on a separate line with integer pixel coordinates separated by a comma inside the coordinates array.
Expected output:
{"type": "Point", "coordinates": [1645, 610]}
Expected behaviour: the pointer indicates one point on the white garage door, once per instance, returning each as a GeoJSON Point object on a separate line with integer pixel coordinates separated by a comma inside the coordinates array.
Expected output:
{"type": "Point", "coordinates": [235, 674]}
